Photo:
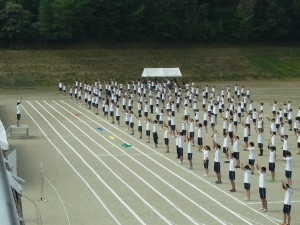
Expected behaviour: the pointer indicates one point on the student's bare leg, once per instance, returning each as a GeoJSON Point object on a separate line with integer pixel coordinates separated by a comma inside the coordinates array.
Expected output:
{"type": "Point", "coordinates": [289, 218]}
{"type": "Point", "coordinates": [232, 184]}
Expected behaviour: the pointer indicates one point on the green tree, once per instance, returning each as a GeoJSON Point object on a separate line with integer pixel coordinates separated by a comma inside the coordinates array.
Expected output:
{"type": "Point", "coordinates": [16, 24]}
{"type": "Point", "coordinates": [46, 17]}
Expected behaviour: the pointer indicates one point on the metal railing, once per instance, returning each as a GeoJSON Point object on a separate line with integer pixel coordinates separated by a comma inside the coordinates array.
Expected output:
{"type": "Point", "coordinates": [8, 211]}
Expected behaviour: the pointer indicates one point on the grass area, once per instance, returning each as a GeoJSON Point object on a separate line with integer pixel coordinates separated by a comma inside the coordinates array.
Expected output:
{"type": "Point", "coordinates": [32, 68]}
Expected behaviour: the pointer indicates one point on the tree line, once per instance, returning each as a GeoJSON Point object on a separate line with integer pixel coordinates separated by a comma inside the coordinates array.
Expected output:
{"type": "Point", "coordinates": [158, 20]}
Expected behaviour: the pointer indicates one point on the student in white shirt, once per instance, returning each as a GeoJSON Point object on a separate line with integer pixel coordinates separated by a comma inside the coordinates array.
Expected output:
{"type": "Point", "coordinates": [217, 165]}
{"type": "Point", "coordinates": [180, 147]}
{"type": "Point", "coordinates": [236, 151]}
{"type": "Point", "coordinates": [140, 124]}
{"type": "Point", "coordinates": [260, 143]}
{"type": "Point", "coordinates": [288, 167]}
{"type": "Point", "coordinates": [205, 151]}
{"type": "Point", "coordinates": [287, 204]}
{"type": "Point", "coordinates": [190, 152]}
{"type": "Point", "coordinates": [262, 188]}
{"type": "Point", "coordinates": [199, 136]}
{"type": "Point", "coordinates": [284, 140]}
{"type": "Point", "coordinates": [296, 127]}
{"type": "Point", "coordinates": [166, 138]}
{"type": "Point", "coordinates": [111, 111]}
{"type": "Point", "coordinates": [247, 183]}
{"type": "Point", "coordinates": [225, 147]}
{"type": "Point", "coordinates": [154, 133]}
{"type": "Point", "coordinates": [192, 131]}
{"type": "Point", "coordinates": [231, 172]}
{"type": "Point", "coordinates": [272, 160]}
{"type": "Point", "coordinates": [251, 150]}
{"type": "Point", "coordinates": [118, 114]}
{"type": "Point", "coordinates": [19, 112]}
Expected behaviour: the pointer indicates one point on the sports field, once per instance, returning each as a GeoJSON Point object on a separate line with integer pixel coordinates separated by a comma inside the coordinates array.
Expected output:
{"type": "Point", "coordinates": [91, 179]}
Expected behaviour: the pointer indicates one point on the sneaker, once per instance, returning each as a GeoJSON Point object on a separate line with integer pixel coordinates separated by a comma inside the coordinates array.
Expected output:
{"type": "Point", "coordinates": [218, 182]}
{"type": "Point", "coordinates": [265, 210]}
{"type": "Point", "coordinates": [190, 168]}
{"type": "Point", "coordinates": [180, 162]}
{"type": "Point", "coordinates": [261, 209]}
{"type": "Point", "coordinates": [232, 190]}
{"type": "Point", "coordinates": [237, 167]}
{"type": "Point", "coordinates": [246, 199]}
{"type": "Point", "coordinates": [205, 175]}
{"type": "Point", "coordinates": [271, 180]}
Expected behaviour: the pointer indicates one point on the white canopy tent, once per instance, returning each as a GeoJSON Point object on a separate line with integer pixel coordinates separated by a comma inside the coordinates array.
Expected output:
{"type": "Point", "coordinates": [161, 72]}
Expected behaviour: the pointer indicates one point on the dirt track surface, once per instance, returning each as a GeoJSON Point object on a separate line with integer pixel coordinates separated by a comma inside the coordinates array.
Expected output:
{"type": "Point", "coordinates": [101, 182]}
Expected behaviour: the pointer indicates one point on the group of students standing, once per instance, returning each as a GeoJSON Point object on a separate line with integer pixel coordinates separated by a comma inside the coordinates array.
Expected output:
{"type": "Point", "coordinates": [234, 107]}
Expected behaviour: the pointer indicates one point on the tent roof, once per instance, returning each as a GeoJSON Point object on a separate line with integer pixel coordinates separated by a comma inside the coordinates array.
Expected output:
{"type": "Point", "coordinates": [161, 72]}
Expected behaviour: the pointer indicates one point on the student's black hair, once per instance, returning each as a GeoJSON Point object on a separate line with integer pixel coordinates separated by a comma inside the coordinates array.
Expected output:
{"type": "Point", "coordinates": [251, 143]}
{"type": "Point", "coordinates": [264, 169]}
{"type": "Point", "coordinates": [247, 167]}
{"type": "Point", "coordinates": [272, 148]}
{"type": "Point", "coordinates": [285, 186]}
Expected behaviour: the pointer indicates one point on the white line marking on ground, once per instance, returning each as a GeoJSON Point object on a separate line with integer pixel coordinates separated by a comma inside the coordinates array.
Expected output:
{"type": "Point", "coordinates": [117, 155]}
{"type": "Point", "coordinates": [234, 198]}
{"type": "Point", "coordinates": [75, 171]}
{"type": "Point", "coordinates": [60, 199]}
{"type": "Point", "coordinates": [274, 202]}
{"type": "Point", "coordinates": [126, 184]}
{"type": "Point", "coordinates": [165, 168]}
{"type": "Point", "coordinates": [155, 190]}
{"type": "Point", "coordinates": [97, 175]}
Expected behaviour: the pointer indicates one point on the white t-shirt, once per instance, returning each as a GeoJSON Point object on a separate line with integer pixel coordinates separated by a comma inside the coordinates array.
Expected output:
{"type": "Point", "coordinates": [231, 164]}
{"type": "Point", "coordinates": [260, 138]}
{"type": "Point", "coordinates": [205, 154]}
{"type": "Point", "coordinates": [217, 155]}
{"type": "Point", "coordinates": [251, 153]}
{"type": "Point", "coordinates": [200, 132]}
{"type": "Point", "coordinates": [190, 147]}
{"type": "Point", "coordinates": [166, 133]}
{"type": "Point", "coordinates": [288, 165]}
{"type": "Point", "coordinates": [262, 180]}
{"type": "Point", "coordinates": [272, 157]}
{"type": "Point", "coordinates": [19, 109]}
{"type": "Point", "coordinates": [285, 145]}
{"type": "Point", "coordinates": [180, 141]}
{"type": "Point", "coordinates": [247, 175]}
{"type": "Point", "coordinates": [288, 196]}
{"type": "Point", "coordinates": [236, 146]}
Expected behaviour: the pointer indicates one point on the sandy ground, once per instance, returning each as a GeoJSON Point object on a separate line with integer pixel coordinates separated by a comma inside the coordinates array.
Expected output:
{"type": "Point", "coordinates": [91, 179]}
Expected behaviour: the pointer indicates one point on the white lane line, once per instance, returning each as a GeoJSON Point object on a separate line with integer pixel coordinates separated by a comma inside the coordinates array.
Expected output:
{"type": "Point", "coordinates": [117, 176]}
{"type": "Point", "coordinates": [66, 212]}
{"type": "Point", "coordinates": [204, 193]}
{"type": "Point", "coordinates": [143, 180]}
{"type": "Point", "coordinates": [274, 202]}
{"type": "Point", "coordinates": [149, 170]}
{"type": "Point", "coordinates": [117, 155]}
{"type": "Point", "coordinates": [75, 171]}
{"type": "Point", "coordinates": [95, 173]}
